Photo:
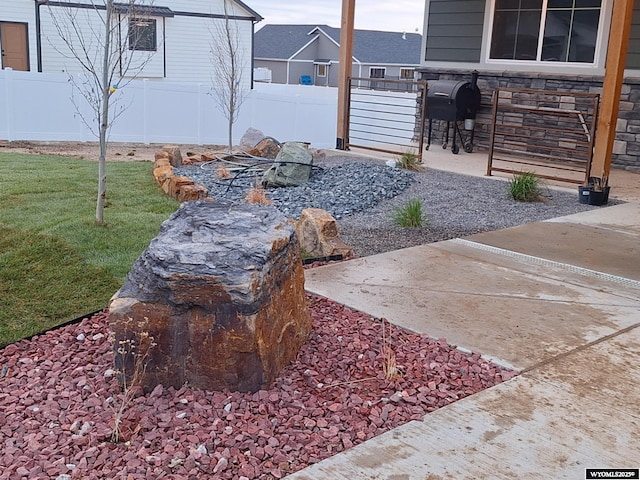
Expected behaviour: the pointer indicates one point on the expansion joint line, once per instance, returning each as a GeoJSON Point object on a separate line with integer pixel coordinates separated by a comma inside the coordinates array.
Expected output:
{"type": "Point", "coordinates": [531, 260]}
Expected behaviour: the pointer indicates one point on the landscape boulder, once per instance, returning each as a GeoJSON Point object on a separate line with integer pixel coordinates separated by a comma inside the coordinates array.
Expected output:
{"type": "Point", "coordinates": [175, 157]}
{"type": "Point", "coordinates": [216, 301]}
{"type": "Point", "coordinates": [318, 234]}
{"type": "Point", "coordinates": [251, 138]}
{"type": "Point", "coordinates": [291, 168]}
{"type": "Point", "coordinates": [266, 148]}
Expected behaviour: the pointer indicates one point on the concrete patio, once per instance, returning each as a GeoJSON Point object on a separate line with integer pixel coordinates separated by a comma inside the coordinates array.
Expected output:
{"type": "Point", "coordinates": [557, 300]}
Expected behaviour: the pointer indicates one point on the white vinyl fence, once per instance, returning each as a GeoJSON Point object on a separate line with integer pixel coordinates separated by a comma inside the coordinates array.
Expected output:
{"type": "Point", "coordinates": [39, 107]}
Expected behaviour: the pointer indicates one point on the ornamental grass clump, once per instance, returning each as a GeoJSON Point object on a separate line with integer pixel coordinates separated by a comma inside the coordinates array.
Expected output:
{"type": "Point", "coordinates": [409, 161]}
{"type": "Point", "coordinates": [525, 187]}
{"type": "Point", "coordinates": [409, 215]}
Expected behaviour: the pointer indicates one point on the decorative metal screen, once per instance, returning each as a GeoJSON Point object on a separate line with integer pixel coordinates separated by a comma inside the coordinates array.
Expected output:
{"type": "Point", "coordinates": [549, 133]}
{"type": "Point", "coordinates": [386, 115]}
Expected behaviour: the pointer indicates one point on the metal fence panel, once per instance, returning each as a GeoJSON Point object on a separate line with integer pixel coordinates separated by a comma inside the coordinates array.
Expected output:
{"type": "Point", "coordinates": [549, 133]}
{"type": "Point", "coordinates": [386, 115]}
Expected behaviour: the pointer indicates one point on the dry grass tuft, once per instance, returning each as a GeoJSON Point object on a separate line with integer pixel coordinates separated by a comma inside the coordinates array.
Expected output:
{"type": "Point", "coordinates": [137, 350]}
{"type": "Point", "coordinates": [223, 172]}
{"type": "Point", "coordinates": [392, 371]}
{"type": "Point", "coordinates": [257, 195]}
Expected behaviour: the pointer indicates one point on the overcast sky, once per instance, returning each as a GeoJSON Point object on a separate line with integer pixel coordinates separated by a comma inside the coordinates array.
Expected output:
{"type": "Point", "coordinates": [392, 16]}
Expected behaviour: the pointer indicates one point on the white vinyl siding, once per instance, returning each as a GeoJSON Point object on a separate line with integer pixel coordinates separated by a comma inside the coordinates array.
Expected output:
{"type": "Point", "coordinates": [183, 50]}
{"type": "Point", "coordinates": [56, 57]}
{"type": "Point", "coordinates": [188, 47]}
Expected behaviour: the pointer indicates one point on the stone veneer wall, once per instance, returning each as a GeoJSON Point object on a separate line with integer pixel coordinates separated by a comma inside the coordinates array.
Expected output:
{"type": "Point", "coordinates": [626, 150]}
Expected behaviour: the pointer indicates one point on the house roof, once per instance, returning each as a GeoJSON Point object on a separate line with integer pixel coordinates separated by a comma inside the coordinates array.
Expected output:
{"type": "Point", "coordinates": [369, 46]}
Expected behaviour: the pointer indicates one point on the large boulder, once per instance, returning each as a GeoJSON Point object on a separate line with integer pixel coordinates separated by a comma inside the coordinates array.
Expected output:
{"type": "Point", "coordinates": [220, 293]}
{"type": "Point", "coordinates": [318, 234]}
{"type": "Point", "coordinates": [291, 168]}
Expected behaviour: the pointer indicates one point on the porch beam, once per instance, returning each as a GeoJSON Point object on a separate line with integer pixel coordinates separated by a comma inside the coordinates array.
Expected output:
{"type": "Point", "coordinates": [346, 64]}
{"type": "Point", "coordinates": [611, 88]}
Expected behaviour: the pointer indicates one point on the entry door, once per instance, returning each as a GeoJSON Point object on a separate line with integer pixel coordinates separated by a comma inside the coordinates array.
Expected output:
{"type": "Point", "coordinates": [15, 45]}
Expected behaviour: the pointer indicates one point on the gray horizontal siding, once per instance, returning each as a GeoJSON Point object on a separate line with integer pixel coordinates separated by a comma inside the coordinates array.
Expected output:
{"type": "Point", "coordinates": [454, 30]}
{"type": "Point", "coordinates": [633, 55]}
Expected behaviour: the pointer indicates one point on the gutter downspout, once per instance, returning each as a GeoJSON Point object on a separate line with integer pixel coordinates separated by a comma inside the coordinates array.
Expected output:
{"type": "Point", "coordinates": [38, 4]}
{"type": "Point", "coordinates": [253, 49]}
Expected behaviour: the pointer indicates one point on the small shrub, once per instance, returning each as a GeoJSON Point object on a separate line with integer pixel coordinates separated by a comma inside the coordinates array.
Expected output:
{"type": "Point", "coordinates": [257, 195]}
{"type": "Point", "coordinates": [525, 187]}
{"type": "Point", "coordinates": [409, 161]}
{"type": "Point", "coordinates": [410, 215]}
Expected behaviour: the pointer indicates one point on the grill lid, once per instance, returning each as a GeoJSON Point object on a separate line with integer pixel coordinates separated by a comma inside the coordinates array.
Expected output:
{"type": "Point", "coordinates": [452, 100]}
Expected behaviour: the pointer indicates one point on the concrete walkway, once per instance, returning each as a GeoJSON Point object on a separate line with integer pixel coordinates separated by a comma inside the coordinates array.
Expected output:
{"type": "Point", "coordinates": [559, 301]}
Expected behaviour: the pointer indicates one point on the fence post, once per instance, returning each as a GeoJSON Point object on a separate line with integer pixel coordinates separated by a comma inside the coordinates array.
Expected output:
{"type": "Point", "coordinates": [7, 101]}
{"type": "Point", "coordinates": [145, 136]}
{"type": "Point", "coordinates": [199, 119]}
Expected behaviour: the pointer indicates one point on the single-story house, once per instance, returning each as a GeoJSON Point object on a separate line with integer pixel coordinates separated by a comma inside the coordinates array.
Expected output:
{"type": "Point", "coordinates": [310, 54]}
{"type": "Point", "coordinates": [558, 45]}
{"type": "Point", "coordinates": [177, 32]}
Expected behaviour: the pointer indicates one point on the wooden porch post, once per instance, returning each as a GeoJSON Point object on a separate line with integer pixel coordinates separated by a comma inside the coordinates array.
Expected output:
{"type": "Point", "coordinates": [611, 88]}
{"type": "Point", "coordinates": [346, 62]}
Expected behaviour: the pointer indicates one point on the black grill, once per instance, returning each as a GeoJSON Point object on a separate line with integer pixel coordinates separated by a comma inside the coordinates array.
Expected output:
{"type": "Point", "coordinates": [454, 101]}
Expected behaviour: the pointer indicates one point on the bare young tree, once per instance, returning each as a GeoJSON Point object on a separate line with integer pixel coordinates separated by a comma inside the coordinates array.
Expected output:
{"type": "Point", "coordinates": [101, 37]}
{"type": "Point", "coordinates": [228, 71]}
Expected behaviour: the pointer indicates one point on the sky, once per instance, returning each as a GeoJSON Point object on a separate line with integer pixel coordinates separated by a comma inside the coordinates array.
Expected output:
{"type": "Point", "coordinates": [393, 16]}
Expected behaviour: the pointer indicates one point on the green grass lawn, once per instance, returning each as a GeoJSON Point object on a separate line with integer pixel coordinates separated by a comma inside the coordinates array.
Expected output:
{"type": "Point", "coordinates": [55, 263]}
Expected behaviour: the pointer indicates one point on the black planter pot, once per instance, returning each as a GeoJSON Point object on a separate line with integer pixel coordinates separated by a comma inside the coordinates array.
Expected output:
{"type": "Point", "coordinates": [588, 195]}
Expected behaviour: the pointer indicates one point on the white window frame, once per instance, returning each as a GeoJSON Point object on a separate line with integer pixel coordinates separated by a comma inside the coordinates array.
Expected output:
{"type": "Point", "coordinates": [598, 58]}
{"type": "Point", "coordinates": [323, 67]}
{"type": "Point", "coordinates": [406, 69]}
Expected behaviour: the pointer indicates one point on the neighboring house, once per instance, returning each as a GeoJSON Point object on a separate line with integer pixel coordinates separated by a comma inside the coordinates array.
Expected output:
{"type": "Point", "coordinates": [310, 54]}
{"type": "Point", "coordinates": [178, 32]}
{"type": "Point", "coordinates": [551, 45]}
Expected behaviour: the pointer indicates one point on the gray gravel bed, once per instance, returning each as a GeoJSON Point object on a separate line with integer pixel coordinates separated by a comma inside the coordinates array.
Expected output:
{"type": "Point", "coordinates": [341, 189]}
{"type": "Point", "coordinates": [363, 195]}
{"type": "Point", "coordinates": [453, 206]}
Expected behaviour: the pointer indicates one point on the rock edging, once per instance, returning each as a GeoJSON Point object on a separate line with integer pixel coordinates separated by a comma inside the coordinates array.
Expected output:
{"type": "Point", "coordinates": [181, 188]}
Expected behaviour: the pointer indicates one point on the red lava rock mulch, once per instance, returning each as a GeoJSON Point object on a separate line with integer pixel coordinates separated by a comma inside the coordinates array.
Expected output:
{"type": "Point", "coordinates": [59, 398]}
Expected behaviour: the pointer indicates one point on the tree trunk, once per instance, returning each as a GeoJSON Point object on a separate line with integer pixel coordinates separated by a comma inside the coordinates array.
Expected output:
{"type": "Point", "coordinates": [104, 120]}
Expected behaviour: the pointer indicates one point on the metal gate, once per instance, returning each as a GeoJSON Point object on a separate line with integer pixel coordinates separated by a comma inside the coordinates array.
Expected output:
{"type": "Point", "coordinates": [549, 133]}
{"type": "Point", "coordinates": [386, 115]}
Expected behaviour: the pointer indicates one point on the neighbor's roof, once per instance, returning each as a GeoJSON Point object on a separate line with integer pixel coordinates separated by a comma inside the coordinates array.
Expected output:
{"type": "Point", "coordinates": [369, 46]}
{"type": "Point", "coordinates": [256, 16]}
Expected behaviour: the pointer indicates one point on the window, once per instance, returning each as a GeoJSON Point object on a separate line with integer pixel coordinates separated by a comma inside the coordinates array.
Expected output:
{"type": "Point", "coordinates": [545, 30]}
{"type": "Point", "coordinates": [407, 73]}
{"type": "Point", "coordinates": [321, 70]}
{"type": "Point", "coordinates": [142, 34]}
{"type": "Point", "coordinates": [377, 72]}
